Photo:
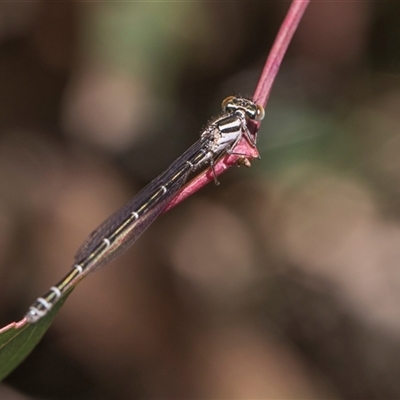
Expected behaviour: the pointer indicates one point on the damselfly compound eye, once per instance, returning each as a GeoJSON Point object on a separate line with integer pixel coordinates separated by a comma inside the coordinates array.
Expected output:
{"type": "Point", "coordinates": [226, 102]}
{"type": "Point", "coordinates": [260, 114]}
{"type": "Point", "coordinates": [253, 111]}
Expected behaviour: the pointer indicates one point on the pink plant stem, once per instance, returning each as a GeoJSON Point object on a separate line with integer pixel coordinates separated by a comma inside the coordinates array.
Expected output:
{"type": "Point", "coordinates": [261, 95]}
{"type": "Point", "coordinates": [278, 51]}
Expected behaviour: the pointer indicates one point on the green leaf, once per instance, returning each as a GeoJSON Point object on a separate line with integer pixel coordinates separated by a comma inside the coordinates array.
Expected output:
{"type": "Point", "coordinates": [18, 339]}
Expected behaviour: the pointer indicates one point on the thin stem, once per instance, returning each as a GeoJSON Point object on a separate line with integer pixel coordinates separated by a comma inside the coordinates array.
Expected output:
{"type": "Point", "coordinates": [278, 51]}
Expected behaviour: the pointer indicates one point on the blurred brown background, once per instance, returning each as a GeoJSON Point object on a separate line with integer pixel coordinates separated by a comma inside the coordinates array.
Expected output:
{"type": "Point", "coordinates": [281, 283]}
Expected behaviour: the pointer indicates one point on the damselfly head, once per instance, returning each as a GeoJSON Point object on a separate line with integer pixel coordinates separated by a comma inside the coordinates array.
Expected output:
{"type": "Point", "coordinates": [252, 110]}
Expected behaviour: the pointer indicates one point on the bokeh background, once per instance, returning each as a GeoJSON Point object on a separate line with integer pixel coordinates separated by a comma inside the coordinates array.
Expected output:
{"type": "Point", "coordinates": [281, 283]}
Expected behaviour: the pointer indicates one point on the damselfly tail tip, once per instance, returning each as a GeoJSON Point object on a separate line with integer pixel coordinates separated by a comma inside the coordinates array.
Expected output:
{"type": "Point", "coordinates": [33, 315]}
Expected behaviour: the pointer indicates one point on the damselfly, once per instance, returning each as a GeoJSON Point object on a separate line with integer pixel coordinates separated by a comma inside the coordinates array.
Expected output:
{"type": "Point", "coordinates": [125, 226]}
